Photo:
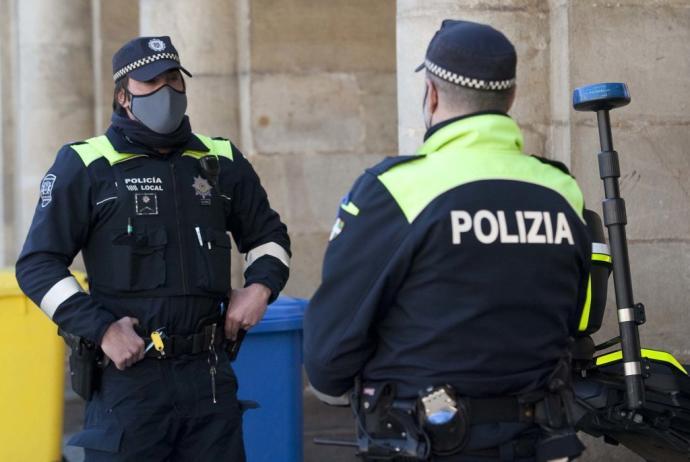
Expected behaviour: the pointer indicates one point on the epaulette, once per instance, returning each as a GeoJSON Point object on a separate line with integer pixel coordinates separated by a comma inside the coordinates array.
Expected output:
{"type": "Point", "coordinates": [390, 162]}
{"type": "Point", "coordinates": [84, 151]}
{"type": "Point", "coordinates": [554, 163]}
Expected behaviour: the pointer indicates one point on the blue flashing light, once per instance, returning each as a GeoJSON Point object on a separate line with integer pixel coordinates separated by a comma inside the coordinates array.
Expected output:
{"type": "Point", "coordinates": [600, 92]}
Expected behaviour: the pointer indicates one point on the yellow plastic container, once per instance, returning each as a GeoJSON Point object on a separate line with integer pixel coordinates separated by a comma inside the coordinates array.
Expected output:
{"type": "Point", "coordinates": [32, 362]}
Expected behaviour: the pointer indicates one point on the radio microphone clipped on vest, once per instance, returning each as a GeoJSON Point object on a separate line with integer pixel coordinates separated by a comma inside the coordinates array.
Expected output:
{"type": "Point", "coordinates": [211, 168]}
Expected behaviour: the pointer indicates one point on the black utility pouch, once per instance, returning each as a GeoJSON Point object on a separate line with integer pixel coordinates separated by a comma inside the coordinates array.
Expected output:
{"type": "Point", "coordinates": [85, 363]}
{"type": "Point", "coordinates": [213, 261]}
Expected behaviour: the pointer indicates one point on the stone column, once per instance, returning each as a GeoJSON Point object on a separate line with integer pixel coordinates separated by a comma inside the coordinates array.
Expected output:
{"type": "Point", "coordinates": [7, 80]}
{"type": "Point", "coordinates": [55, 92]}
{"type": "Point", "coordinates": [205, 35]}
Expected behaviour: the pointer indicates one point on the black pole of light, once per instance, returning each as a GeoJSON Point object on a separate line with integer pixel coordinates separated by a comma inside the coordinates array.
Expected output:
{"type": "Point", "coordinates": [615, 219]}
{"type": "Point", "coordinates": [601, 98]}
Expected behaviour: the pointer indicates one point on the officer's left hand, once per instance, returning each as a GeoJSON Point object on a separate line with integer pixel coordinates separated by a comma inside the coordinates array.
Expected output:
{"type": "Point", "coordinates": [247, 307]}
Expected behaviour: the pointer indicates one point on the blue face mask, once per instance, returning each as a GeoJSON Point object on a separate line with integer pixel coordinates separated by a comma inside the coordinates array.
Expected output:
{"type": "Point", "coordinates": [162, 110]}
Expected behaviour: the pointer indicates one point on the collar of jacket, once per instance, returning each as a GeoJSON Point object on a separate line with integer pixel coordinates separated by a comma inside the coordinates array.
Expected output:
{"type": "Point", "coordinates": [122, 144]}
{"type": "Point", "coordinates": [485, 131]}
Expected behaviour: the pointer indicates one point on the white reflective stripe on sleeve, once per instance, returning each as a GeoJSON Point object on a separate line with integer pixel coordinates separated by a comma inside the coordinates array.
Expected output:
{"type": "Point", "coordinates": [598, 247]}
{"type": "Point", "coordinates": [57, 294]}
{"type": "Point", "coordinates": [342, 400]}
{"type": "Point", "coordinates": [270, 248]}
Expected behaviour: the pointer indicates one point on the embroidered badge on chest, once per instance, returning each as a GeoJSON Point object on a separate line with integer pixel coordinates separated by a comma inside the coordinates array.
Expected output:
{"type": "Point", "coordinates": [202, 188]}
{"type": "Point", "coordinates": [146, 203]}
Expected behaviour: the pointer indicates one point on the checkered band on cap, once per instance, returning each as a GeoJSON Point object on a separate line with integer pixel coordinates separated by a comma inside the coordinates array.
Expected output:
{"type": "Point", "coordinates": [143, 62]}
{"type": "Point", "coordinates": [477, 84]}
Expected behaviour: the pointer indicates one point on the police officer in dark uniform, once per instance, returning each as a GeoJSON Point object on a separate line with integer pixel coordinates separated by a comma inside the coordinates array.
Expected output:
{"type": "Point", "coordinates": [454, 278]}
{"type": "Point", "coordinates": [149, 205]}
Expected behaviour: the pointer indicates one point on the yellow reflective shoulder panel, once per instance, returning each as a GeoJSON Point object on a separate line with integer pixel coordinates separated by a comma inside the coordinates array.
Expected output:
{"type": "Point", "coordinates": [99, 146]}
{"type": "Point", "coordinates": [661, 356]}
{"type": "Point", "coordinates": [86, 152]}
{"type": "Point", "coordinates": [216, 147]}
{"type": "Point", "coordinates": [481, 148]}
{"type": "Point", "coordinates": [223, 148]}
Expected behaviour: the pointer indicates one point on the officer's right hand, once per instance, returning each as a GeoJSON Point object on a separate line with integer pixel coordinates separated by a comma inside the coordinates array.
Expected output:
{"type": "Point", "coordinates": [122, 344]}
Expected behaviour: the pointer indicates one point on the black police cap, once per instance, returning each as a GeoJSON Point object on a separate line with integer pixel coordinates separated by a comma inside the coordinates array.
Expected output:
{"type": "Point", "coordinates": [146, 57]}
{"type": "Point", "coordinates": [471, 55]}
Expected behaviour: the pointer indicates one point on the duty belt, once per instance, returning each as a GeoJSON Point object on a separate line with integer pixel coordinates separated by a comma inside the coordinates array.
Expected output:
{"type": "Point", "coordinates": [439, 422]}
{"type": "Point", "coordinates": [179, 345]}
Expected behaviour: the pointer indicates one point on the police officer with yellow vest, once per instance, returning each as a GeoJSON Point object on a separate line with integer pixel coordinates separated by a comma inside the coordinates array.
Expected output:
{"type": "Point", "coordinates": [149, 204]}
{"type": "Point", "coordinates": [455, 278]}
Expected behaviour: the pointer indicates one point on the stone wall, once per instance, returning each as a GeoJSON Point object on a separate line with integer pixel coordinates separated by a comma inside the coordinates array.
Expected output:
{"type": "Point", "coordinates": [323, 108]}
{"type": "Point", "coordinates": [645, 44]}
{"type": "Point", "coordinates": [565, 44]}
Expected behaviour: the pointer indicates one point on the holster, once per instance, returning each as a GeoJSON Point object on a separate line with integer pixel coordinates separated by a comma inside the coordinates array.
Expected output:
{"type": "Point", "coordinates": [85, 363]}
{"type": "Point", "coordinates": [232, 347]}
{"type": "Point", "coordinates": [387, 428]}
{"type": "Point", "coordinates": [554, 414]}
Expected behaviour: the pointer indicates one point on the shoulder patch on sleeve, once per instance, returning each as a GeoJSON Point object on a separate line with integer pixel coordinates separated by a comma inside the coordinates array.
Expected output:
{"type": "Point", "coordinates": [390, 162]}
{"type": "Point", "coordinates": [47, 189]}
{"type": "Point", "coordinates": [554, 163]}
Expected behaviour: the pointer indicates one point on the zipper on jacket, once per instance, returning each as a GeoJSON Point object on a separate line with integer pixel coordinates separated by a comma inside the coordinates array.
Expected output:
{"type": "Point", "coordinates": [179, 227]}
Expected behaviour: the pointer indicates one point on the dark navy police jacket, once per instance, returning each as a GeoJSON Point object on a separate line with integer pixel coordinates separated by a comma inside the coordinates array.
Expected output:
{"type": "Point", "coordinates": [153, 233]}
{"type": "Point", "coordinates": [466, 264]}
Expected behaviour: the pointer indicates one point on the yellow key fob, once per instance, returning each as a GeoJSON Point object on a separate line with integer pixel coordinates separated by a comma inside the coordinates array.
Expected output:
{"type": "Point", "coordinates": [157, 340]}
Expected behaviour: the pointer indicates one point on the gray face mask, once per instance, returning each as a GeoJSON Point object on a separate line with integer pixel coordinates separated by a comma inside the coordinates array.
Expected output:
{"type": "Point", "coordinates": [162, 110]}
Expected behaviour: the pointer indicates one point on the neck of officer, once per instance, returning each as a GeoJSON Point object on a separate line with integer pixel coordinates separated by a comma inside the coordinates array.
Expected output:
{"type": "Point", "coordinates": [137, 133]}
{"type": "Point", "coordinates": [157, 149]}
{"type": "Point", "coordinates": [448, 117]}
{"type": "Point", "coordinates": [442, 114]}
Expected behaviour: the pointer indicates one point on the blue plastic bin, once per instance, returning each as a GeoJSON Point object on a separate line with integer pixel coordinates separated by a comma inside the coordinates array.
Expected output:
{"type": "Point", "coordinates": [269, 371]}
